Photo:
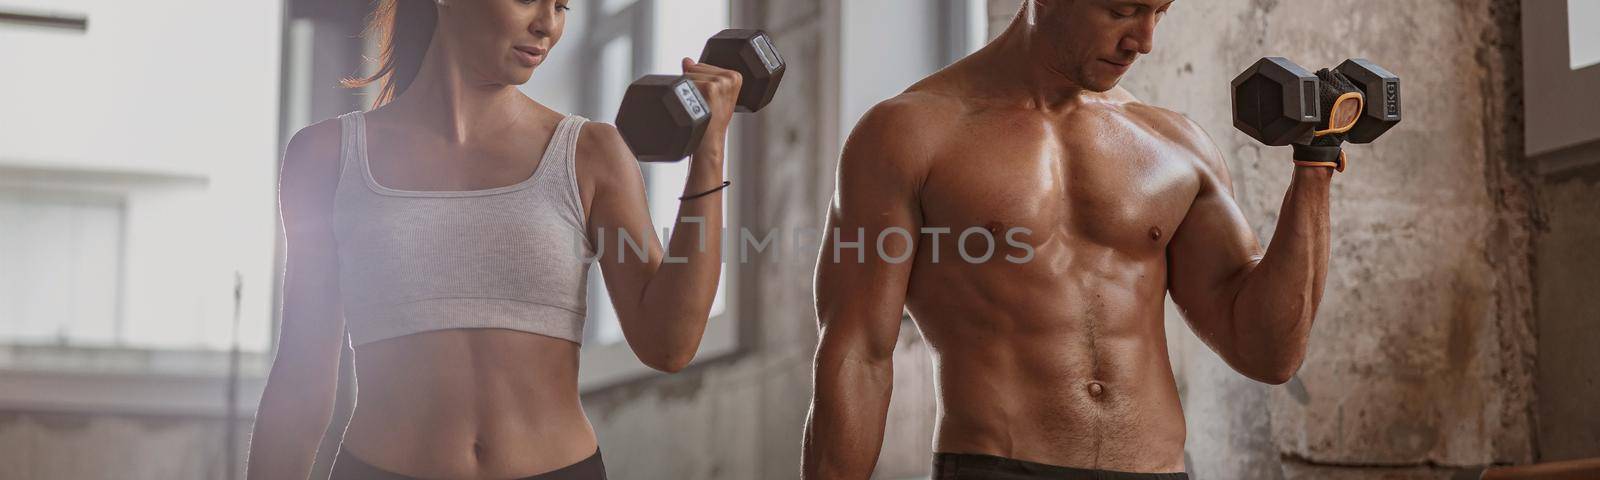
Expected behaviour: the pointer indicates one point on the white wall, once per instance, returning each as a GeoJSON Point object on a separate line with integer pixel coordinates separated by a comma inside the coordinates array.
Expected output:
{"type": "Point", "coordinates": [185, 90]}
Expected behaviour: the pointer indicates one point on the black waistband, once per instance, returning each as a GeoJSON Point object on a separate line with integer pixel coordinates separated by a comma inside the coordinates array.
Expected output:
{"type": "Point", "coordinates": [348, 467]}
{"type": "Point", "coordinates": [968, 466]}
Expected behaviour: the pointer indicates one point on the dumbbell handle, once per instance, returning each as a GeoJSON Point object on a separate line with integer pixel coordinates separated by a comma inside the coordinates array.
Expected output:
{"type": "Point", "coordinates": [760, 65]}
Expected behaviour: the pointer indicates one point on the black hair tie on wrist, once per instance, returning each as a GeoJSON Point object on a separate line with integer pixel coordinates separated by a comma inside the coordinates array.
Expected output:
{"type": "Point", "coordinates": [725, 184]}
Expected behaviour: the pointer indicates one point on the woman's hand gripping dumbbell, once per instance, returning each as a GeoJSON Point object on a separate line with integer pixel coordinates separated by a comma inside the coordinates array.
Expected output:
{"type": "Point", "coordinates": [664, 117]}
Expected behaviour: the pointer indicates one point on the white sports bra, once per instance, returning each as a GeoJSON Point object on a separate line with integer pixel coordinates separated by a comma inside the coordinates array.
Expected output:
{"type": "Point", "coordinates": [513, 257]}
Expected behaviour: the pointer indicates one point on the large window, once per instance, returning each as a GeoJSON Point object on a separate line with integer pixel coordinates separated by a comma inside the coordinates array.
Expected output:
{"type": "Point", "coordinates": [137, 178]}
{"type": "Point", "coordinates": [886, 45]}
{"type": "Point", "coordinates": [72, 247]}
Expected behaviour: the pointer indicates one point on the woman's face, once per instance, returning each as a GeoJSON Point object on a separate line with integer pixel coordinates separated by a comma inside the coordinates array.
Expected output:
{"type": "Point", "coordinates": [502, 41]}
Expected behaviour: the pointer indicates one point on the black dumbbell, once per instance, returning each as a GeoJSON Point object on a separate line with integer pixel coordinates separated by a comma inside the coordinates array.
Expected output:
{"type": "Point", "coordinates": [749, 52]}
{"type": "Point", "coordinates": [1382, 91]}
{"type": "Point", "coordinates": [663, 117]}
{"type": "Point", "coordinates": [1276, 101]}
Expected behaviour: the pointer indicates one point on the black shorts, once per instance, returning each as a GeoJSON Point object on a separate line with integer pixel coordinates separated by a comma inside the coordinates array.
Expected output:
{"type": "Point", "coordinates": [348, 467]}
{"type": "Point", "coordinates": [965, 466]}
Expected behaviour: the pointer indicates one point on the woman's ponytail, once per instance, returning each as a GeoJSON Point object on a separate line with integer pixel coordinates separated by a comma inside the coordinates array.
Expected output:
{"type": "Point", "coordinates": [404, 28]}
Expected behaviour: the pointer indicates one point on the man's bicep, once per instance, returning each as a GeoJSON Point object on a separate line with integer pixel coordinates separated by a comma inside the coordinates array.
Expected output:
{"type": "Point", "coordinates": [861, 290]}
{"type": "Point", "coordinates": [1212, 249]}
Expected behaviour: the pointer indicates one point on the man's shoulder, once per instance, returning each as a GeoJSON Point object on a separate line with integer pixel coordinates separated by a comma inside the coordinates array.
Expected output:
{"type": "Point", "coordinates": [897, 138]}
{"type": "Point", "coordinates": [922, 108]}
{"type": "Point", "coordinates": [1169, 125]}
{"type": "Point", "coordinates": [1172, 125]}
{"type": "Point", "coordinates": [1155, 115]}
{"type": "Point", "coordinates": [908, 122]}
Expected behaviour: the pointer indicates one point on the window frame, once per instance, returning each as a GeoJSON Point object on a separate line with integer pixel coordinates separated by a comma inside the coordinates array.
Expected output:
{"type": "Point", "coordinates": [69, 21]}
{"type": "Point", "coordinates": [1561, 133]}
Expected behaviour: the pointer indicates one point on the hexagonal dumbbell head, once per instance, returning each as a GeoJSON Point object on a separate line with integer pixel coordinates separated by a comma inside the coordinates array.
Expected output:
{"type": "Point", "coordinates": [662, 118]}
{"type": "Point", "coordinates": [751, 53]}
{"type": "Point", "coordinates": [1382, 90]}
{"type": "Point", "coordinates": [1275, 101]}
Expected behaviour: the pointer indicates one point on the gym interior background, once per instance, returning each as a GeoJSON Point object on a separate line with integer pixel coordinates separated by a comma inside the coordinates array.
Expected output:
{"type": "Point", "coordinates": [1458, 329]}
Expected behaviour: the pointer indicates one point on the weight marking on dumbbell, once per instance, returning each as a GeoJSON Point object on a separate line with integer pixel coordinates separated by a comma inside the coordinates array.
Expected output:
{"type": "Point", "coordinates": [769, 55]}
{"type": "Point", "coordinates": [691, 101]}
{"type": "Point", "coordinates": [1391, 92]}
{"type": "Point", "coordinates": [1310, 102]}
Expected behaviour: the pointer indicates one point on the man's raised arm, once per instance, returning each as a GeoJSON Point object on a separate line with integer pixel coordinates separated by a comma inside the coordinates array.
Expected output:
{"type": "Point", "coordinates": [1255, 310]}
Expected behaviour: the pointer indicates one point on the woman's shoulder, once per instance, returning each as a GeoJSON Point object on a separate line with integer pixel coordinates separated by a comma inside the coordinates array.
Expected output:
{"type": "Point", "coordinates": [324, 130]}
{"type": "Point", "coordinates": [316, 143]}
{"type": "Point", "coordinates": [604, 163]}
{"type": "Point", "coordinates": [600, 142]}
{"type": "Point", "coordinates": [310, 171]}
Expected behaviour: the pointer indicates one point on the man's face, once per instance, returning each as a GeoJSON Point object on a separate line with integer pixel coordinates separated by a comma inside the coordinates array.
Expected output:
{"type": "Point", "coordinates": [1094, 42]}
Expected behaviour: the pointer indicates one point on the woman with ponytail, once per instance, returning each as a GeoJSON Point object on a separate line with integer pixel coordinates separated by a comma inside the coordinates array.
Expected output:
{"type": "Point", "coordinates": [449, 232]}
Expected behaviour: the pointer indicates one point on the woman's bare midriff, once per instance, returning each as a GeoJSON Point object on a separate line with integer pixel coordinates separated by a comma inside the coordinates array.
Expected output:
{"type": "Point", "coordinates": [469, 403]}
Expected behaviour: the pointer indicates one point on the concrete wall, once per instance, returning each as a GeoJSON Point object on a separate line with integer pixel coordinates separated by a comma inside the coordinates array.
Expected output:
{"type": "Point", "coordinates": [1568, 275]}
{"type": "Point", "coordinates": [50, 446]}
{"type": "Point", "coordinates": [1421, 358]}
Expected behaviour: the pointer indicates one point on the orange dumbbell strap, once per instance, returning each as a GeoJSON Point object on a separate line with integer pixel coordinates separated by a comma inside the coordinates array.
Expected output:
{"type": "Point", "coordinates": [1344, 114]}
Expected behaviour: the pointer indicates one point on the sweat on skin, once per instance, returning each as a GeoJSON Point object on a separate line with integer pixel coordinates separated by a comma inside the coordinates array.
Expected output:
{"type": "Point", "coordinates": [1060, 361]}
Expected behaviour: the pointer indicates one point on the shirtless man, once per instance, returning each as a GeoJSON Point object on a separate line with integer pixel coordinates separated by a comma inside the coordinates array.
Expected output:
{"type": "Point", "coordinates": [1055, 367]}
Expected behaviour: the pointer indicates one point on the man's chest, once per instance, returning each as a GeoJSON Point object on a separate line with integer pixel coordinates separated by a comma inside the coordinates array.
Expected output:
{"type": "Point", "coordinates": [1116, 186]}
